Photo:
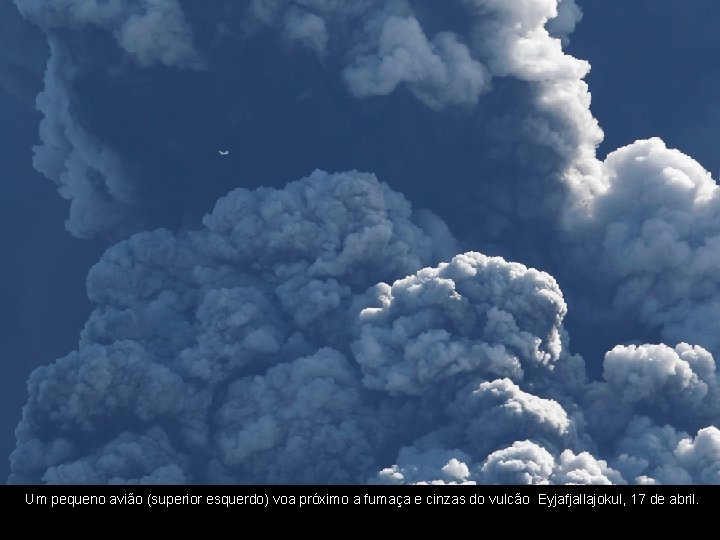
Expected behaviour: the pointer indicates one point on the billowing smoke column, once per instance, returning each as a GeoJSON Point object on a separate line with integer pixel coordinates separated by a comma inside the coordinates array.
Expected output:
{"type": "Point", "coordinates": [140, 94]}
{"type": "Point", "coordinates": [264, 348]}
{"type": "Point", "coordinates": [325, 331]}
{"type": "Point", "coordinates": [227, 347]}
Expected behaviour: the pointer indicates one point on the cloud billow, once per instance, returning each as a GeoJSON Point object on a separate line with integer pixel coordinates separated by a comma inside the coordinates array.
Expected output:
{"type": "Point", "coordinates": [270, 282]}
{"type": "Point", "coordinates": [261, 348]}
{"type": "Point", "coordinates": [338, 329]}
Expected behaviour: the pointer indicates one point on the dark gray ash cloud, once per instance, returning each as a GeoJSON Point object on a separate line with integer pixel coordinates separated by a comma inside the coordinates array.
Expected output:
{"type": "Point", "coordinates": [258, 349]}
{"type": "Point", "coordinates": [340, 329]}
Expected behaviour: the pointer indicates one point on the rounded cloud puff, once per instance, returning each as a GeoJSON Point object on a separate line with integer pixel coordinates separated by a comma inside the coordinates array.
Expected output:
{"type": "Point", "coordinates": [188, 327]}
{"type": "Point", "coordinates": [675, 383]}
{"type": "Point", "coordinates": [652, 237]}
{"type": "Point", "coordinates": [474, 314]}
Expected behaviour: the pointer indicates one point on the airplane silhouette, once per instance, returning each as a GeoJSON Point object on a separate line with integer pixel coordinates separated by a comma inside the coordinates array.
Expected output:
{"type": "Point", "coordinates": [223, 152]}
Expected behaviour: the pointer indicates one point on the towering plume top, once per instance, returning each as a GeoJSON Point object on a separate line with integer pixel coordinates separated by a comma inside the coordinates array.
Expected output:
{"type": "Point", "coordinates": [487, 75]}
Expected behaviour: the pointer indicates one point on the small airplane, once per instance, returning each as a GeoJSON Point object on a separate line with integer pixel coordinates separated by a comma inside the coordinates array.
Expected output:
{"type": "Point", "coordinates": [223, 152]}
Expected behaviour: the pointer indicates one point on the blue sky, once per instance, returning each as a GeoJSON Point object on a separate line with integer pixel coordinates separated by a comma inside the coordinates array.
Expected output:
{"type": "Point", "coordinates": [475, 160]}
{"type": "Point", "coordinates": [651, 72]}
